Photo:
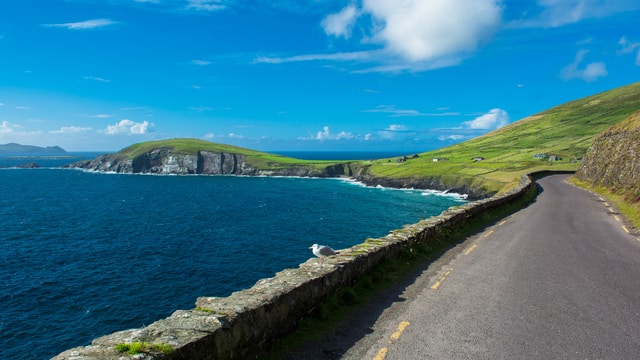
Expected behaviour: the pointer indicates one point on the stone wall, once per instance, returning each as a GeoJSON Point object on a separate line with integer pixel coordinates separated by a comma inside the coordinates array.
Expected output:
{"type": "Point", "coordinates": [245, 323]}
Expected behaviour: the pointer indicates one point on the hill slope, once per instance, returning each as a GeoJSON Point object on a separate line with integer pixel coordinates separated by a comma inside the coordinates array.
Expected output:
{"type": "Point", "coordinates": [480, 167]}
{"type": "Point", "coordinates": [566, 131]}
{"type": "Point", "coordinates": [14, 149]}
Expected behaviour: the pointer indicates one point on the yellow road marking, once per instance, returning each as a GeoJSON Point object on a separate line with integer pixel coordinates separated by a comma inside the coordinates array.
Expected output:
{"type": "Point", "coordinates": [436, 286]}
{"type": "Point", "coordinates": [487, 234]}
{"type": "Point", "coordinates": [625, 229]}
{"type": "Point", "coordinates": [606, 204]}
{"type": "Point", "coordinates": [502, 223]}
{"type": "Point", "coordinates": [470, 249]}
{"type": "Point", "coordinates": [396, 335]}
{"type": "Point", "coordinates": [381, 354]}
{"type": "Point", "coordinates": [617, 218]}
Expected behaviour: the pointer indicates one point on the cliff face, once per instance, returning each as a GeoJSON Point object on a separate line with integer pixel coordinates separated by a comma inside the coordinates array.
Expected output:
{"type": "Point", "coordinates": [163, 161]}
{"type": "Point", "coordinates": [614, 159]}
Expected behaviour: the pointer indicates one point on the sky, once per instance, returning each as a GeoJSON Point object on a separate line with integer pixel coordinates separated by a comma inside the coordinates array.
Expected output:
{"type": "Point", "coordinates": [301, 75]}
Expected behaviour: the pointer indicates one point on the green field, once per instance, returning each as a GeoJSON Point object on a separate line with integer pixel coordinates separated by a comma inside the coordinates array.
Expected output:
{"type": "Point", "coordinates": [566, 131]}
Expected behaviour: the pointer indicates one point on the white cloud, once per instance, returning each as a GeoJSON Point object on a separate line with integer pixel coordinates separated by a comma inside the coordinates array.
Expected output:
{"type": "Point", "coordinates": [205, 5]}
{"type": "Point", "coordinates": [84, 25]}
{"type": "Point", "coordinates": [494, 119]}
{"type": "Point", "coordinates": [326, 134]}
{"type": "Point", "coordinates": [391, 132]}
{"type": "Point", "coordinates": [209, 135]}
{"type": "Point", "coordinates": [591, 72]}
{"type": "Point", "coordinates": [396, 127]}
{"type": "Point", "coordinates": [129, 127]}
{"type": "Point", "coordinates": [340, 24]}
{"type": "Point", "coordinates": [6, 127]}
{"type": "Point", "coordinates": [71, 130]}
{"type": "Point", "coordinates": [411, 35]}
{"type": "Point", "coordinates": [418, 30]}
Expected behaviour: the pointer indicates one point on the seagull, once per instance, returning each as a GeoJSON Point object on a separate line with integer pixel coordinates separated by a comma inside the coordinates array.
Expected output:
{"type": "Point", "coordinates": [322, 251]}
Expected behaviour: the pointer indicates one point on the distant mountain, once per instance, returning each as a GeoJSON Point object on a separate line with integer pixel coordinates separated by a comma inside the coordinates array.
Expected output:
{"type": "Point", "coordinates": [17, 149]}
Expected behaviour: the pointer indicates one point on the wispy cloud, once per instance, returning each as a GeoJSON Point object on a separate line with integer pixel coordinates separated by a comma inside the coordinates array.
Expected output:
{"type": "Point", "coordinates": [628, 47]}
{"type": "Point", "coordinates": [100, 116]}
{"type": "Point", "coordinates": [98, 79]}
{"type": "Point", "coordinates": [201, 62]}
{"type": "Point", "coordinates": [556, 13]}
{"type": "Point", "coordinates": [205, 5]}
{"type": "Point", "coordinates": [84, 25]}
{"type": "Point", "coordinates": [589, 73]}
{"type": "Point", "coordinates": [346, 56]}
{"type": "Point", "coordinates": [395, 112]}
{"type": "Point", "coordinates": [71, 130]}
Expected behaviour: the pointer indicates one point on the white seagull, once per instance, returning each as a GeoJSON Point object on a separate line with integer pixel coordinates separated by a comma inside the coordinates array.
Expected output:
{"type": "Point", "coordinates": [322, 251]}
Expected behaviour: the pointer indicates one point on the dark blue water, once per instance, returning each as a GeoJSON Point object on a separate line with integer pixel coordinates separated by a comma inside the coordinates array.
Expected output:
{"type": "Point", "coordinates": [86, 254]}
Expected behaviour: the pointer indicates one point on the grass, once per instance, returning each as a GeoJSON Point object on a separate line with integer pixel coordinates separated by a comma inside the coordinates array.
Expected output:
{"type": "Point", "coordinates": [335, 309]}
{"type": "Point", "coordinates": [140, 347]}
{"type": "Point", "coordinates": [258, 159]}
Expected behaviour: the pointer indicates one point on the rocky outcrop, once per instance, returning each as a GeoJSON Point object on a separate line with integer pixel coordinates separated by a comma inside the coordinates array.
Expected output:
{"type": "Point", "coordinates": [423, 183]}
{"type": "Point", "coordinates": [613, 160]}
{"type": "Point", "coordinates": [164, 161]}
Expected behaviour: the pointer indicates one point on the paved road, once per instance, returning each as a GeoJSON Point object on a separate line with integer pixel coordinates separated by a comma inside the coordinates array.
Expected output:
{"type": "Point", "coordinates": [559, 279]}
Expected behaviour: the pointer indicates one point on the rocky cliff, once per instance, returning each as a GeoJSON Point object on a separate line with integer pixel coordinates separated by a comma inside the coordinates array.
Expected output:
{"type": "Point", "coordinates": [613, 160]}
{"type": "Point", "coordinates": [165, 161]}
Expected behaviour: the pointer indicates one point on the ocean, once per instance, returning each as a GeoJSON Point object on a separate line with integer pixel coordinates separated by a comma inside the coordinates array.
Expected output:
{"type": "Point", "coordinates": [86, 254]}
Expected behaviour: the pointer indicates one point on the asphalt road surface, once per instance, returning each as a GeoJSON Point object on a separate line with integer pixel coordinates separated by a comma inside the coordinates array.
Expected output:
{"type": "Point", "coordinates": [559, 279]}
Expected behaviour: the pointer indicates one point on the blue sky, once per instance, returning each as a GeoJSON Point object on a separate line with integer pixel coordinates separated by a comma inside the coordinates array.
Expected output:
{"type": "Point", "coordinates": [369, 75]}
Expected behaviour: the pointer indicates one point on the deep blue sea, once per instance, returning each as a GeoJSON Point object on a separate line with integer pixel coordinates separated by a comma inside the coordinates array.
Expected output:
{"type": "Point", "coordinates": [87, 254]}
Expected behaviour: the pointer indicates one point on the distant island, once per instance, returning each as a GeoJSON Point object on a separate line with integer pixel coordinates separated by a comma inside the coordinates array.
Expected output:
{"type": "Point", "coordinates": [17, 149]}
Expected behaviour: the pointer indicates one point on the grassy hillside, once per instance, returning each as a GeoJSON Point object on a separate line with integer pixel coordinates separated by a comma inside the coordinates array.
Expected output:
{"type": "Point", "coordinates": [567, 131]}
{"type": "Point", "coordinates": [258, 159]}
